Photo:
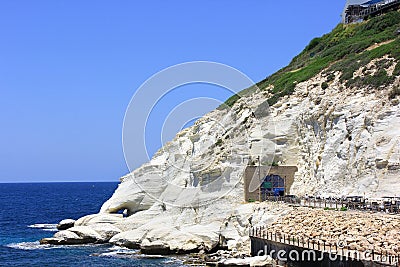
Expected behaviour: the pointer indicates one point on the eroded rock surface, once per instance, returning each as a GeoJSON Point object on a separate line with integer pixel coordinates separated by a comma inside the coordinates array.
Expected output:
{"type": "Point", "coordinates": [189, 196]}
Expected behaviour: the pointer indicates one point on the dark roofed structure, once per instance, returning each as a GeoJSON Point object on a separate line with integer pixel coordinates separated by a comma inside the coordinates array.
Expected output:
{"type": "Point", "coordinates": [356, 10]}
{"type": "Point", "coordinates": [373, 2]}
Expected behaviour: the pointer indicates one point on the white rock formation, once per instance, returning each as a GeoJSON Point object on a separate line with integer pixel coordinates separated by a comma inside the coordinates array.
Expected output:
{"type": "Point", "coordinates": [65, 224]}
{"type": "Point", "coordinates": [252, 262]}
{"type": "Point", "coordinates": [99, 219]}
{"type": "Point", "coordinates": [76, 235]}
{"type": "Point", "coordinates": [190, 195]}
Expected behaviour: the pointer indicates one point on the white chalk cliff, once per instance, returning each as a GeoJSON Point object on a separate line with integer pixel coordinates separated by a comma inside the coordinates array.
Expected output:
{"type": "Point", "coordinates": [189, 196]}
{"type": "Point", "coordinates": [344, 141]}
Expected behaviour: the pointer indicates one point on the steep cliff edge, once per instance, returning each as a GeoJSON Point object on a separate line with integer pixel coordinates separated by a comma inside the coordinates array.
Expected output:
{"type": "Point", "coordinates": [334, 112]}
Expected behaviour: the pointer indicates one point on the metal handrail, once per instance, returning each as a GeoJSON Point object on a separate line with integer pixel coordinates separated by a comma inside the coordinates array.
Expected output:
{"type": "Point", "coordinates": [338, 248]}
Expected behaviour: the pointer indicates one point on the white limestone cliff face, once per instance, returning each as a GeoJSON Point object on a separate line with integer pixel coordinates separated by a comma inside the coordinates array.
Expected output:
{"type": "Point", "coordinates": [190, 195]}
{"type": "Point", "coordinates": [348, 139]}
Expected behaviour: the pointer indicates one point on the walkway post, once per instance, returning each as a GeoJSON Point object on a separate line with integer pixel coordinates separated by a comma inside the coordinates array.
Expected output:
{"type": "Point", "coordinates": [259, 179]}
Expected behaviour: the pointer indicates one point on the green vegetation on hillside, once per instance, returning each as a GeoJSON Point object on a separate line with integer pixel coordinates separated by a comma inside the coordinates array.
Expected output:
{"type": "Point", "coordinates": [344, 49]}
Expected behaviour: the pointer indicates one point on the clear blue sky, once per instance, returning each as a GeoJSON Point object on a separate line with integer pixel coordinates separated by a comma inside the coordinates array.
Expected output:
{"type": "Point", "coordinates": [68, 69]}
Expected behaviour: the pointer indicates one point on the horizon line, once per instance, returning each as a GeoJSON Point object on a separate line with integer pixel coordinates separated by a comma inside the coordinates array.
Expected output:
{"type": "Point", "coordinates": [53, 182]}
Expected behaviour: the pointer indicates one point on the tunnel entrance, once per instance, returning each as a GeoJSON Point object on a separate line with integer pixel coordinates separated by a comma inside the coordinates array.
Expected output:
{"type": "Point", "coordinates": [274, 181]}
{"type": "Point", "coordinates": [272, 185]}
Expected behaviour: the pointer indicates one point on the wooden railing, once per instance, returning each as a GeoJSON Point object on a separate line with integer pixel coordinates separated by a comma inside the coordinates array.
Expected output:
{"type": "Point", "coordinates": [313, 202]}
{"type": "Point", "coordinates": [339, 249]}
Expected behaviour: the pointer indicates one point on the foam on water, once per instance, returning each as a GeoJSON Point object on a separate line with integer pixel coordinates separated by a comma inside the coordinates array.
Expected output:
{"type": "Point", "coordinates": [118, 248]}
{"type": "Point", "coordinates": [44, 226]}
{"type": "Point", "coordinates": [121, 252]}
{"type": "Point", "coordinates": [29, 246]}
{"type": "Point", "coordinates": [118, 252]}
{"type": "Point", "coordinates": [36, 245]}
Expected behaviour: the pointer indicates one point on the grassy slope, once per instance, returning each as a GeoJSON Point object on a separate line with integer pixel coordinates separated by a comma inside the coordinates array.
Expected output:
{"type": "Point", "coordinates": [343, 49]}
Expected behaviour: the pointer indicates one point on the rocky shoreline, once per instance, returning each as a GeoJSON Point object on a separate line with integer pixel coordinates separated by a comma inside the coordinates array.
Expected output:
{"type": "Point", "coordinates": [78, 235]}
{"type": "Point", "coordinates": [359, 231]}
{"type": "Point", "coordinates": [215, 233]}
{"type": "Point", "coordinates": [229, 247]}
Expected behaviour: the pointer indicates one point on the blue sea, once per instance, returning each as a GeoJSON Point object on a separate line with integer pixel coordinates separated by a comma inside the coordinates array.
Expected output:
{"type": "Point", "coordinates": [29, 212]}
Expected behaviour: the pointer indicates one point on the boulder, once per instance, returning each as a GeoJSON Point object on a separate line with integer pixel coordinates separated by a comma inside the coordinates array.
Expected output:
{"type": "Point", "coordinates": [51, 241]}
{"type": "Point", "coordinates": [130, 239]}
{"type": "Point", "coordinates": [65, 234]}
{"type": "Point", "coordinates": [87, 233]}
{"type": "Point", "coordinates": [250, 261]}
{"type": "Point", "coordinates": [65, 224]}
{"type": "Point", "coordinates": [207, 233]}
{"type": "Point", "coordinates": [169, 240]}
{"type": "Point", "coordinates": [98, 219]}
{"type": "Point", "coordinates": [76, 235]}
{"type": "Point", "coordinates": [65, 237]}
{"type": "Point", "coordinates": [262, 261]}
{"type": "Point", "coordinates": [106, 230]}
{"type": "Point", "coordinates": [157, 247]}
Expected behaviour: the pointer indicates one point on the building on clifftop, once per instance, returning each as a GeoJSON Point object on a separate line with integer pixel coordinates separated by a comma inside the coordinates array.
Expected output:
{"type": "Point", "coordinates": [359, 10]}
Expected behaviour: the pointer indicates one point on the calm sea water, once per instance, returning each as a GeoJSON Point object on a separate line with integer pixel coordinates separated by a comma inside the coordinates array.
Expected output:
{"type": "Point", "coordinates": [29, 212]}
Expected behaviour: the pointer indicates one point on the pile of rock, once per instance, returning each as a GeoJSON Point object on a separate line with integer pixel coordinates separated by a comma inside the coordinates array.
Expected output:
{"type": "Point", "coordinates": [356, 230]}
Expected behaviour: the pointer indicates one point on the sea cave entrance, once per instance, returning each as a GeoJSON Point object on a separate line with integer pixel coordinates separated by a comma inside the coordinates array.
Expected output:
{"type": "Point", "coordinates": [124, 211]}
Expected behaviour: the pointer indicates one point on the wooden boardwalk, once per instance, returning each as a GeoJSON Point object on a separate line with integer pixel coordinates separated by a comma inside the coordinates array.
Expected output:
{"type": "Point", "coordinates": [385, 206]}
